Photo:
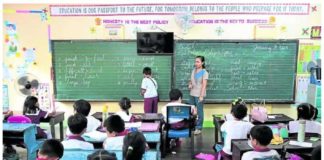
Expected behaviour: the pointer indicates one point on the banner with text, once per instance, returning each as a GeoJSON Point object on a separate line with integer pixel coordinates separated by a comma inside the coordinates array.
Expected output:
{"type": "Point", "coordinates": [171, 9]}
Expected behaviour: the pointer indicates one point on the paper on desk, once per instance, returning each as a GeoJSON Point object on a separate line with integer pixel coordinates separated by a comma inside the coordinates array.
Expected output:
{"type": "Point", "coordinates": [271, 117]}
{"type": "Point", "coordinates": [133, 125]}
{"type": "Point", "coordinates": [302, 144]}
{"type": "Point", "coordinates": [95, 136]}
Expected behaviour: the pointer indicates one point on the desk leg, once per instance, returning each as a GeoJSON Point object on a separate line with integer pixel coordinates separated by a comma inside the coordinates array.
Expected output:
{"type": "Point", "coordinates": [216, 134]}
{"type": "Point", "coordinates": [53, 130]}
{"type": "Point", "coordinates": [61, 131]}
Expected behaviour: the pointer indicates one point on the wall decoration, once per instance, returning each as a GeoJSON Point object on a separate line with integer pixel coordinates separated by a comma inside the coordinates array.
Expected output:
{"type": "Point", "coordinates": [5, 98]}
{"type": "Point", "coordinates": [6, 73]}
{"type": "Point", "coordinates": [21, 69]}
{"type": "Point", "coordinates": [314, 8]}
{"type": "Point", "coordinates": [44, 96]}
{"type": "Point", "coordinates": [219, 30]}
{"type": "Point", "coordinates": [283, 28]}
{"type": "Point", "coordinates": [98, 21]}
{"type": "Point", "coordinates": [305, 31]}
{"type": "Point", "coordinates": [92, 30]}
{"type": "Point", "coordinates": [265, 31]}
{"type": "Point", "coordinates": [308, 53]}
{"type": "Point", "coordinates": [316, 32]}
{"type": "Point", "coordinates": [172, 9]}
{"type": "Point", "coordinates": [272, 20]}
{"type": "Point", "coordinates": [184, 21]}
{"type": "Point", "coordinates": [29, 55]}
{"type": "Point", "coordinates": [43, 13]}
{"type": "Point", "coordinates": [11, 38]}
{"type": "Point", "coordinates": [302, 82]}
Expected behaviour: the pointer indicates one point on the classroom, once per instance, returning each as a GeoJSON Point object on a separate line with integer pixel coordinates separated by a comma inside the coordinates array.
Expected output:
{"type": "Point", "coordinates": [208, 80]}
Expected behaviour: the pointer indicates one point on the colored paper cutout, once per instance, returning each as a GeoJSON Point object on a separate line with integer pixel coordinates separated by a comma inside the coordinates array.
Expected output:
{"type": "Point", "coordinates": [314, 8]}
{"type": "Point", "coordinates": [316, 32]}
{"type": "Point", "coordinates": [283, 29]}
{"type": "Point", "coordinates": [305, 31]}
{"type": "Point", "coordinates": [98, 21]}
{"type": "Point", "coordinates": [272, 20]}
{"type": "Point", "coordinates": [92, 30]}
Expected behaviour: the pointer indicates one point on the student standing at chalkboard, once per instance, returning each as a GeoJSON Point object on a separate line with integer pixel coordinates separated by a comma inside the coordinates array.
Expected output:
{"type": "Point", "coordinates": [149, 91]}
{"type": "Point", "coordinates": [197, 86]}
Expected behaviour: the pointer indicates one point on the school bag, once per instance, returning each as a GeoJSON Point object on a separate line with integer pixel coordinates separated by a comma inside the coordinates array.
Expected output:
{"type": "Point", "coordinates": [259, 112]}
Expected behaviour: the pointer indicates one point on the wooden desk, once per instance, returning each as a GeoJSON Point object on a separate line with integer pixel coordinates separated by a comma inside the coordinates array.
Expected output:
{"type": "Point", "coordinates": [240, 146]}
{"type": "Point", "coordinates": [279, 118]}
{"type": "Point", "coordinates": [152, 136]}
{"type": "Point", "coordinates": [53, 120]}
{"type": "Point", "coordinates": [14, 133]}
{"type": "Point", "coordinates": [148, 117]}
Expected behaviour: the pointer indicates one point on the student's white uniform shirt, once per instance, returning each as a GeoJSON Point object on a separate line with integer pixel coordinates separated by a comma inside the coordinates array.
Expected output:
{"type": "Point", "coordinates": [254, 154]}
{"type": "Point", "coordinates": [124, 116]}
{"type": "Point", "coordinates": [92, 125]}
{"type": "Point", "coordinates": [77, 144]}
{"type": "Point", "coordinates": [310, 127]}
{"type": "Point", "coordinates": [114, 143]}
{"type": "Point", "coordinates": [234, 130]}
{"type": "Point", "coordinates": [151, 89]}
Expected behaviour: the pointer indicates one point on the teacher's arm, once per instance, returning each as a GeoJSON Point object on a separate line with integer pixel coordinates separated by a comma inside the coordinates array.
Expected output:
{"type": "Point", "coordinates": [203, 90]}
{"type": "Point", "coordinates": [190, 85]}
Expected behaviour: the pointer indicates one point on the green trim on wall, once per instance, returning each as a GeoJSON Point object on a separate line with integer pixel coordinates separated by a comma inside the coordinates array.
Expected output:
{"type": "Point", "coordinates": [208, 124]}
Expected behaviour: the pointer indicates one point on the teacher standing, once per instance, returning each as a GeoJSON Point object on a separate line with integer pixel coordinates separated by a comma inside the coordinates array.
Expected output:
{"type": "Point", "coordinates": [197, 86]}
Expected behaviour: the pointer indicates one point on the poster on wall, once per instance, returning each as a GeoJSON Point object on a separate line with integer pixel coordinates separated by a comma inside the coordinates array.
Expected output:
{"type": "Point", "coordinates": [5, 98]}
{"type": "Point", "coordinates": [309, 56]}
{"type": "Point", "coordinates": [44, 96]}
{"type": "Point", "coordinates": [302, 82]}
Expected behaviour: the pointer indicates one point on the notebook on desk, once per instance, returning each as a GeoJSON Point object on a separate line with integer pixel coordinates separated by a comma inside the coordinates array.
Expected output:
{"type": "Point", "coordinates": [149, 127]}
{"type": "Point", "coordinates": [151, 116]}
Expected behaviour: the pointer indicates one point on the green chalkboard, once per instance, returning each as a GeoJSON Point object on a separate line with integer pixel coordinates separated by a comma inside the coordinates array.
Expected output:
{"type": "Point", "coordinates": [105, 70]}
{"type": "Point", "coordinates": [253, 70]}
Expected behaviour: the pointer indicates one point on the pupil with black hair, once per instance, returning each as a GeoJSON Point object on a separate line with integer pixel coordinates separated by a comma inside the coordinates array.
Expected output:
{"type": "Point", "coordinates": [235, 129]}
{"type": "Point", "coordinates": [125, 105]}
{"type": "Point", "coordinates": [307, 112]}
{"type": "Point", "coordinates": [115, 127]}
{"type": "Point", "coordinates": [261, 137]}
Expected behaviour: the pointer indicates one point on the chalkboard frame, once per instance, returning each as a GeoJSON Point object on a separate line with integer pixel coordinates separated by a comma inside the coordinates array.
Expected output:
{"type": "Point", "coordinates": [99, 40]}
{"type": "Point", "coordinates": [248, 101]}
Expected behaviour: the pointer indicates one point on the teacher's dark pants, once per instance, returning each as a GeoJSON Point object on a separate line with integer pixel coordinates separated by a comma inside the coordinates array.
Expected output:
{"type": "Point", "coordinates": [200, 110]}
{"type": "Point", "coordinates": [150, 105]}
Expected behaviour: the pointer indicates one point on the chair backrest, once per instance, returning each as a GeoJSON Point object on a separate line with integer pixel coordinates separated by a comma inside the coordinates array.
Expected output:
{"type": "Point", "coordinates": [19, 119]}
{"type": "Point", "coordinates": [183, 112]}
{"type": "Point", "coordinates": [267, 158]}
{"type": "Point", "coordinates": [83, 154]}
